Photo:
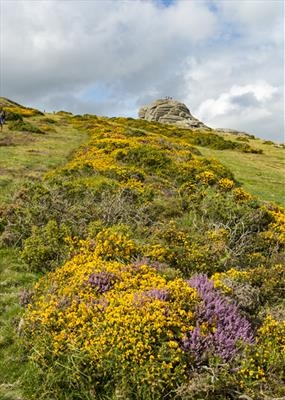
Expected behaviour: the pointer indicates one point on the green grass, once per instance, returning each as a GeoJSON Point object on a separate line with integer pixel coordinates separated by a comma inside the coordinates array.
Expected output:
{"type": "Point", "coordinates": [13, 279]}
{"type": "Point", "coordinates": [23, 156]}
{"type": "Point", "coordinates": [262, 175]}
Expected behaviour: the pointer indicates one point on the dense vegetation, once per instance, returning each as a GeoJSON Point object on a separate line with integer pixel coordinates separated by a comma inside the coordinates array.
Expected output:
{"type": "Point", "coordinates": [160, 276]}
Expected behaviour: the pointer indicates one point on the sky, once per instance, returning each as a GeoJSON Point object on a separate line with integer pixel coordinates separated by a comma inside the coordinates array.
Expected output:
{"type": "Point", "coordinates": [223, 58]}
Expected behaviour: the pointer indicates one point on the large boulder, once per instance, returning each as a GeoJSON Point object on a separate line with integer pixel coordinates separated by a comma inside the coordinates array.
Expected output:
{"type": "Point", "coordinates": [169, 111]}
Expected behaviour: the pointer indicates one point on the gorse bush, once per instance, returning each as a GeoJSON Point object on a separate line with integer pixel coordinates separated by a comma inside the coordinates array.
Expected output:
{"type": "Point", "coordinates": [264, 363]}
{"type": "Point", "coordinates": [197, 137]}
{"type": "Point", "coordinates": [22, 111]}
{"type": "Point", "coordinates": [46, 248]}
{"type": "Point", "coordinates": [145, 156]}
{"type": "Point", "coordinates": [136, 330]}
{"type": "Point", "coordinates": [187, 206]}
{"type": "Point", "coordinates": [217, 142]}
{"type": "Point", "coordinates": [19, 125]}
{"type": "Point", "coordinates": [262, 285]}
{"type": "Point", "coordinates": [161, 271]}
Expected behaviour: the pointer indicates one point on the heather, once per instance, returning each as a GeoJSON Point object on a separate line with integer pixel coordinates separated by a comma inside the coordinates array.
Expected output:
{"type": "Point", "coordinates": [157, 275]}
{"type": "Point", "coordinates": [137, 329]}
{"type": "Point", "coordinates": [229, 326]}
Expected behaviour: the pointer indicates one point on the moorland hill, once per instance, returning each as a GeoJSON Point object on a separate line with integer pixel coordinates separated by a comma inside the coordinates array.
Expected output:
{"type": "Point", "coordinates": [143, 267]}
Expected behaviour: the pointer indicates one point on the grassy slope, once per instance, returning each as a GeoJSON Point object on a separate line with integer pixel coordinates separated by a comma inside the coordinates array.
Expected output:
{"type": "Point", "coordinates": [28, 156]}
{"type": "Point", "coordinates": [13, 279]}
{"type": "Point", "coordinates": [263, 175]}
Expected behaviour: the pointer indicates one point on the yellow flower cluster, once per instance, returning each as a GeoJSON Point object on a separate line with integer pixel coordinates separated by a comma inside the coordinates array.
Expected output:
{"type": "Point", "coordinates": [109, 244]}
{"type": "Point", "coordinates": [241, 195]}
{"type": "Point", "coordinates": [23, 111]}
{"type": "Point", "coordinates": [226, 184]}
{"type": "Point", "coordinates": [217, 239]}
{"type": "Point", "coordinates": [274, 330]}
{"type": "Point", "coordinates": [113, 245]}
{"type": "Point", "coordinates": [206, 177]}
{"type": "Point", "coordinates": [220, 278]}
{"type": "Point", "coordinates": [277, 227]}
{"type": "Point", "coordinates": [135, 185]}
{"type": "Point", "coordinates": [267, 356]}
{"type": "Point", "coordinates": [157, 252]}
{"type": "Point", "coordinates": [125, 318]}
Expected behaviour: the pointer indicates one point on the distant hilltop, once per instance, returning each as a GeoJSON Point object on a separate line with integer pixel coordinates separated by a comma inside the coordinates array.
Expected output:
{"type": "Point", "coordinates": [170, 111]}
{"type": "Point", "coordinates": [166, 111]}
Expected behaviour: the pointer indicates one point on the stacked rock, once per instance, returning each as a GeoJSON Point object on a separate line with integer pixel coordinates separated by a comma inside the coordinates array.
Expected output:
{"type": "Point", "coordinates": [169, 111]}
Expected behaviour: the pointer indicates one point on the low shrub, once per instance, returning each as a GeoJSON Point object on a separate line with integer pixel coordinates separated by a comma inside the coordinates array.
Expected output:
{"type": "Point", "coordinates": [63, 113]}
{"type": "Point", "coordinates": [146, 156]}
{"type": "Point", "coordinates": [217, 142]}
{"type": "Point", "coordinates": [26, 112]}
{"type": "Point", "coordinates": [255, 287]}
{"type": "Point", "coordinates": [46, 248]}
{"type": "Point", "coordinates": [49, 121]}
{"type": "Point", "coordinates": [19, 125]}
{"type": "Point", "coordinates": [13, 116]}
{"type": "Point", "coordinates": [264, 364]}
{"type": "Point", "coordinates": [104, 327]}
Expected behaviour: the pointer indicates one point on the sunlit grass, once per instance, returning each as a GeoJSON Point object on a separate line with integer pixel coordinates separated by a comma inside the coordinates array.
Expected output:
{"type": "Point", "coordinates": [25, 155]}
{"type": "Point", "coordinates": [263, 175]}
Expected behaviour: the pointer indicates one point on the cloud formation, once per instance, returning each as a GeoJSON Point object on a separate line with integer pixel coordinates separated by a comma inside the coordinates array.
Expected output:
{"type": "Point", "coordinates": [252, 98]}
{"type": "Point", "coordinates": [224, 59]}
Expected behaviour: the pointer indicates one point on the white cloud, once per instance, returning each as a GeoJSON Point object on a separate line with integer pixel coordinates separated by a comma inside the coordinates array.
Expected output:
{"type": "Point", "coordinates": [109, 57]}
{"type": "Point", "coordinates": [240, 100]}
{"type": "Point", "coordinates": [238, 86]}
{"type": "Point", "coordinates": [256, 20]}
{"type": "Point", "coordinates": [84, 42]}
{"type": "Point", "coordinates": [245, 108]}
{"type": "Point", "coordinates": [262, 91]}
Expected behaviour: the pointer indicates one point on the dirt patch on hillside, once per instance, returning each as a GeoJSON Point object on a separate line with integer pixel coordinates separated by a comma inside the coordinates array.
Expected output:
{"type": "Point", "coordinates": [15, 140]}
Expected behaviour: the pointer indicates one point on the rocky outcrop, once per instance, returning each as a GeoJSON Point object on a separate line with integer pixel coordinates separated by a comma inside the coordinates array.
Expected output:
{"type": "Point", "coordinates": [169, 111]}
{"type": "Point", "coordinates": [233, 132]}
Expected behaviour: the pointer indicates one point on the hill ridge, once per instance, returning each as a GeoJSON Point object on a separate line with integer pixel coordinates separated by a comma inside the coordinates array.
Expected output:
{"type": "Point", "coordinates": [144, 245]}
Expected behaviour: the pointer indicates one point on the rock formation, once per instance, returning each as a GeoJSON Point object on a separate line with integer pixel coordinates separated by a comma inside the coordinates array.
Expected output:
{"type": "Point", "coordinates": [233, 132]}
{"type": "Point", "coordinates": [169, 111]}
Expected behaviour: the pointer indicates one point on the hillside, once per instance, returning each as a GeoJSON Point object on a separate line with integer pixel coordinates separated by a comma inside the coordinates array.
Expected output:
{"type": "Point", "coordinates": [262, 175]}
{"type": "Point", "coordinates": [158, 275]}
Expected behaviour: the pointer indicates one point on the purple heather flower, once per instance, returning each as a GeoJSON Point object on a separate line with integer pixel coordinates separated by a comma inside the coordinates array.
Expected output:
{"type": "Point", "coordinates": [143, 297]}
{"type": "Point", "coordinates": [64, 302]}
{"type": "Point", "coordinates": [229, 325]}
{"type": "Point", "coordinates": [159, 294]}
{"type": "Point", "coordinates": [198, 344]}
{"type": "Point", "coordinates": [102, 281]}
{"type": "Point", "coordinates": [147, 261]}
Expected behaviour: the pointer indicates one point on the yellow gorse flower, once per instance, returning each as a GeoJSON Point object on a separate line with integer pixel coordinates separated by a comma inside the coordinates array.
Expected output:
{"type": "Point", "coordinates": [138, 321]}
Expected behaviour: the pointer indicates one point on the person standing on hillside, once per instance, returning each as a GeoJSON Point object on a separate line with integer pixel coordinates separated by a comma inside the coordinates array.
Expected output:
{"type": "Point", "coordinates": [2, 118]}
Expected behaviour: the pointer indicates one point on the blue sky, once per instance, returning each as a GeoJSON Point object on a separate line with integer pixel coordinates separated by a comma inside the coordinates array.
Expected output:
{"type": "Point", "coordinates": [167, 3]}
{"type": "Point", "coordinates": [223, 58]}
